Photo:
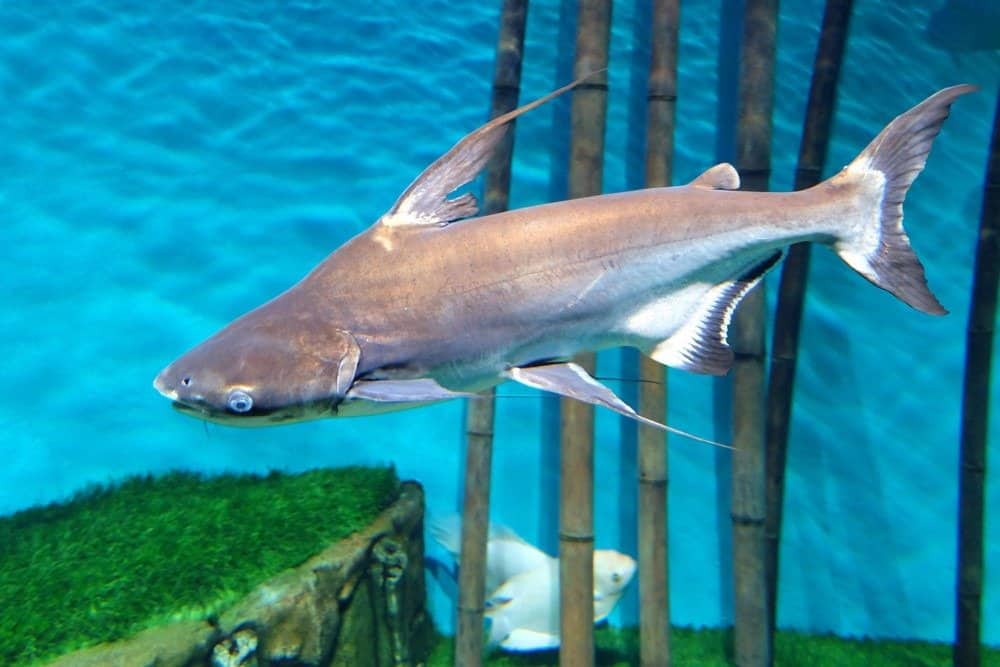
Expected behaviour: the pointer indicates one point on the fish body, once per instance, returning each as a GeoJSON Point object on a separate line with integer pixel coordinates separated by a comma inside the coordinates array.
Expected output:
{"type": "Point", "coordinates": [430, 303]}
{"type": "Point", "coordinates": [522, 586]}
{"type": "Point", "coordinates": [524, 611]}
{"type": "Point", "coordinates": [507, 554]}
{"type": "Point", "coordinates": [617, 270]}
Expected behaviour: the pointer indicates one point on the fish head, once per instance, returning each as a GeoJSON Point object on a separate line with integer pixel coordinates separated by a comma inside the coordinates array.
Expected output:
{"type": "Point", "coordinates": [265, 368]}
{"type": "Point", "coordinates": [612, 571]}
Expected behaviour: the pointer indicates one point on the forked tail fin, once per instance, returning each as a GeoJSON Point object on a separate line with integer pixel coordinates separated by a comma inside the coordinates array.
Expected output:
{"type": "Point", "coordinates": [880, 250]}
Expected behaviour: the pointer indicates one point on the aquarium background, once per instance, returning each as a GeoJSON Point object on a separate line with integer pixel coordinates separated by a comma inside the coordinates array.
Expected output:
{"type": "Point", "coordinates": [165, 167]}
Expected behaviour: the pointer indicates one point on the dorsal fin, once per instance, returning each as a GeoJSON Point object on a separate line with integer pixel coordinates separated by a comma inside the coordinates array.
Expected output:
{"type": "Point", "coordinates": [722, 176]}
{"type": "Point", "coordinates": [426, 201]}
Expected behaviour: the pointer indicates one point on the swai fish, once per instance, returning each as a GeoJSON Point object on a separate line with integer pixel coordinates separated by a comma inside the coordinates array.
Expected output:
{"type": "Point", "coordinates": [522, 584]}
{"type": "Point", "coordinates": [432, 303]}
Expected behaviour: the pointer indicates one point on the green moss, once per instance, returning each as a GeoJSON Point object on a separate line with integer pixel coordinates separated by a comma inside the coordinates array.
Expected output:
{"type": "Point", "coordinates": [115, 560]}
{"type": "Point", "coordinates": [712, 648]}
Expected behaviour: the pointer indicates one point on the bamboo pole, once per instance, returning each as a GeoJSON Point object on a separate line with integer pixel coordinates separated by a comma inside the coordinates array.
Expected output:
{"type": "Point", "coordinates": [654, 565]}
{"type": "Point", "coordinates": [479, 420]}
{"type": "Point", "coordinates": [747, 339]}
{"type": "Point", "coordinates": [576, 503]}
{"type": "Point", "coordinates": [975, 415]}
{"type": "Point", "coordinates": [791, 292]}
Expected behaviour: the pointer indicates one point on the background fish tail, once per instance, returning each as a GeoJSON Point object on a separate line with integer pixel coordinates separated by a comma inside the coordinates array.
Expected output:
{"type": "Point", "coordinates": [878, 248]}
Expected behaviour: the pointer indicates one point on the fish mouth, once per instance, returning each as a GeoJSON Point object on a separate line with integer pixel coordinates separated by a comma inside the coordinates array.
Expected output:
{"type": "Point", "coordinates": [191, 407]}
{"type": "Point", "coordinates": [268, 418]}
{"type": "Point", "coordinates": [188, 409]}
{"type": "Point", "coordinates": [201, 409]}
{"type": "Point", "coordinates": [205, 413]}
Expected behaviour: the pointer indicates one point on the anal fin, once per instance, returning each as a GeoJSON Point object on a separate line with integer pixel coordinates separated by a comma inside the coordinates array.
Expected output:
{"type": "Point", "coordinates": [701, 344]}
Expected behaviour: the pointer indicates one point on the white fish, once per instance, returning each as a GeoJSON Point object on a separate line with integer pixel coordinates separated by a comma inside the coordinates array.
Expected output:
{"type": "Point", "coordinates": [523, 607]}
{"type": "Point", "coordinates": [524, 611]}
{"type": "Point", "coordinates": [507, 554]}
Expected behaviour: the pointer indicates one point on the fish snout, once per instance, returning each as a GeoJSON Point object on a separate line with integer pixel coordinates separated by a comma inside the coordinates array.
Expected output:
{"type": "Point", "coordinates": [628, 570]}
{"type": "Point", "coordinates": [179, 387]}
{"type": "Point", "coordinates": [613, 570]}
{"type": "Point", "coordinates": [164, 384]}
{"type": "Point", "coordinates": [178, 390]}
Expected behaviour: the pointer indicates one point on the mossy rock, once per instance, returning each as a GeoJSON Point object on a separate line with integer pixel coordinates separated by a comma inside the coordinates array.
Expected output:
{"type": "Point", "coordinates": [359, 602]}
{"type": "Point", "coordinates": [177, 644]}
{"type": "Point", "coordinates": [334, 609]}
{"type": "Point", "coordinates": [60, 592]}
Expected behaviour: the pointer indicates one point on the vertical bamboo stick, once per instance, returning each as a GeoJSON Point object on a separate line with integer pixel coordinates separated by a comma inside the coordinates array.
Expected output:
{"type": "Point", "coordinates": [975, 415]}
{"type": "Point", "coordinates": [747, 339]}
{"type": "Point", "coordinates": [654, 568]}
{"type": "Point", "coordinates": [791, 294]}
{"type": "Point", "coordinates": [479, 422]}
{"type": "Point", "coordinates": [576, 503]}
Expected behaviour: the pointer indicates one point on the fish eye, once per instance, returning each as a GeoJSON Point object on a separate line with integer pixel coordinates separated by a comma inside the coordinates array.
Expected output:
{"type": "Point", "coordinates": [186, 381]}
{"type": "Point", "coordinates": [616, 578]}
{"type": "Point", "coordinates": [239, 401]}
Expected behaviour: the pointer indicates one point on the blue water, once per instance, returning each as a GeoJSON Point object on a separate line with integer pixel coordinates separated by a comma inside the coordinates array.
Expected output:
{"type": "Point", "coordinates": [165, 167]}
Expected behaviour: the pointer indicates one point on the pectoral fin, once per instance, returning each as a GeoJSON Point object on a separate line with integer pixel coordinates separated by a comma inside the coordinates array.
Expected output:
{"type": "Point", "coordinates": [419, 390]}
{"type": "Point", "coordinates": [572, 381]}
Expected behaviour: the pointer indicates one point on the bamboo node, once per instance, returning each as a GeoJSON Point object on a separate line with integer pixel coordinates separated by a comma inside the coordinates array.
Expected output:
{"type": "Point", "coordinates": [653, 481]}
{"type": "Point", "coordinates": [570, 537]}
{"type": "Point", "coordinates": [747, 520]}
{"type": "Point", "coordinates": [594, 85]}
{"type": "Point", "coordinates": [977, 468]}
{"type": "Point", "coordinates": [506, 88]}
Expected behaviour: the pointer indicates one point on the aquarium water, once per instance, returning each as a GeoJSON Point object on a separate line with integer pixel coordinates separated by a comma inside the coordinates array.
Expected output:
{"type": "Point", "coordinates": [166, 166]}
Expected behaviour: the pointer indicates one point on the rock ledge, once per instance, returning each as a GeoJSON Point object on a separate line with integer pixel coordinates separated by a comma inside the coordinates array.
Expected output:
{"type": "Point", "coordinates": [358, 603]}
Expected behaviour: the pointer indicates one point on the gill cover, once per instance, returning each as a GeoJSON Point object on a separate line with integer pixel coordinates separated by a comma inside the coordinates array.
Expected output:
{"type": "Point", "coordinates": [348, 366]}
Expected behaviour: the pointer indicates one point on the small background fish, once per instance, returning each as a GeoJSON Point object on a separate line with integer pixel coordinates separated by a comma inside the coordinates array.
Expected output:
{"type": "Point", "coordinates": [522, 585]}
